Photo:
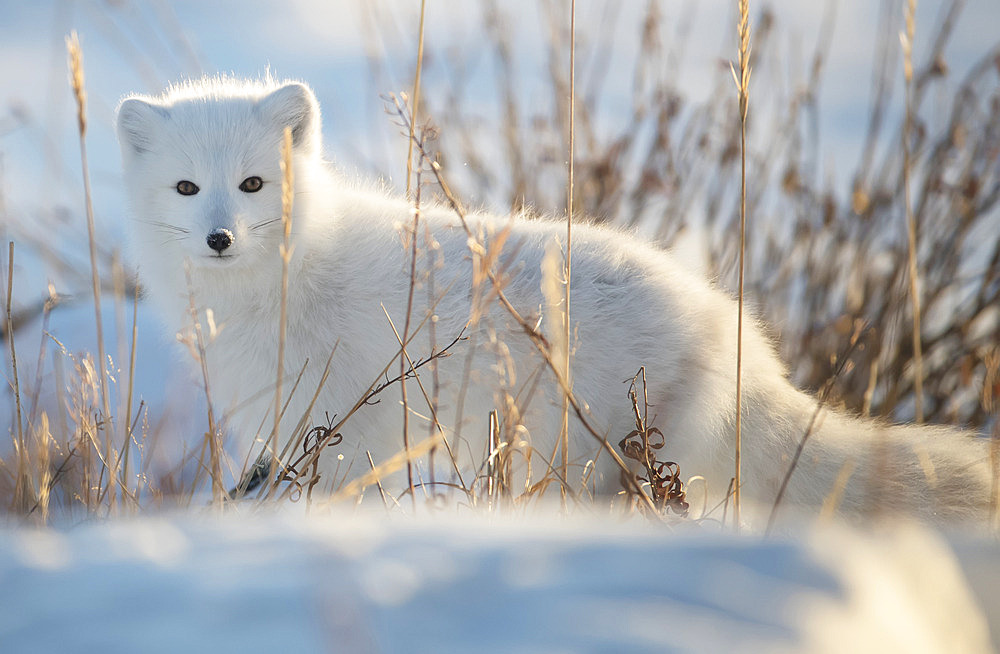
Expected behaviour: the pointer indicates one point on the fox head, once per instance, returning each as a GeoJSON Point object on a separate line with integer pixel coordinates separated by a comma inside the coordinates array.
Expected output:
{"type": "Point", "coordinates": [202, 169]}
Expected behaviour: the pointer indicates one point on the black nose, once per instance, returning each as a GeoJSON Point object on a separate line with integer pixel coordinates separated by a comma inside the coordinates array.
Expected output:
{"type": "Point", "coordinates": [219, 239]}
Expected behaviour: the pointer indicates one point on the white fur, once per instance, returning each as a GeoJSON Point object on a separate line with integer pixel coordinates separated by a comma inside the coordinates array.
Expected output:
{"type": "Point", "coordinates": [632, 306]}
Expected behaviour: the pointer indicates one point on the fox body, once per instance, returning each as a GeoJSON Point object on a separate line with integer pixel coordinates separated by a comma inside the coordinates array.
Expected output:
{"type": "Point", "coordinates": [203, 177]}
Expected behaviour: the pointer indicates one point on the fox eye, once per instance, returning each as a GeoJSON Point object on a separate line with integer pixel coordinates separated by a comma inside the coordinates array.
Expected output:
{"type": "Point", "coordinates": [251, 184]}
{"type": "Point", "coordinates": [185, 187]}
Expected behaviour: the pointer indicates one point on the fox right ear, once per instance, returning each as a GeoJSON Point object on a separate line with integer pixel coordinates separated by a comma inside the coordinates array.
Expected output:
{"type": "Point", "coordinates": [294, 105]}
{"type": "Point", "coordinates": [135, 121]}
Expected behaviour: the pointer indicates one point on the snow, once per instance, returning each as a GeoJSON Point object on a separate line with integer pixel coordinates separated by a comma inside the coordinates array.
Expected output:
{"type": "Point", "coordinates": [362, 582]}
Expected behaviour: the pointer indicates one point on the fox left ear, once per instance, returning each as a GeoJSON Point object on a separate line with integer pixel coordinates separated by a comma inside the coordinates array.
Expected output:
{"type": "Point", "coordinates": [294, 105]}
{"type": "Point", "coordinates": [136, 121]}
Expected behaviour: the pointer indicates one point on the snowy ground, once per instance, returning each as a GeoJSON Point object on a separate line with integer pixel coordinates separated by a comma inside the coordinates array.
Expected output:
{"type": "Point", "coordinates": [365, 583]}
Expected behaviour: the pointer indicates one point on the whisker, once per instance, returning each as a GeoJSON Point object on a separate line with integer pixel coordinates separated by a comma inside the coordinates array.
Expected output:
{"type": "Point", "coordinates": [167, 226]}
{"type": "Point", "coordinates": [265, 223]}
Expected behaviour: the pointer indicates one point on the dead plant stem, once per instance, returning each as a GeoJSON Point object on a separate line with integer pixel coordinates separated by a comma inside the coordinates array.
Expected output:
{"type": "Point", "coordinates": [127, 426]}
{"type": "Point", "coordinates": [214, 449]}
{"type": "Point", "coordinates": [21, 445]}
{"type": "Point", "coordinates": [906, 39]}
{"type": "Point", "coordinates": [564, 428]}
{"type": "Point", "coordinates": [77, 81]}
{"type": "Point", "coordinates": [416, 97]}
{"type": "Point", "coordinates": [285, 250]}
{"type": "Point", "coordinates": [406, 330]}
{"type": "Point", "coordinates": [743, 85]}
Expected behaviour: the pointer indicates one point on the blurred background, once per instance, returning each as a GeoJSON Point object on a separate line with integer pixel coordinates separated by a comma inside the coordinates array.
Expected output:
{"type": "Point", "coordinates": [657, 152]}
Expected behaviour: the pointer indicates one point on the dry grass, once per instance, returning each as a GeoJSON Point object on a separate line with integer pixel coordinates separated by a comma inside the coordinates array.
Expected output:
{"type": "Point", "coordinates": [567, 324]}
{"type": "Point", "coordinates": [906, 42]}
{"type": "Point", "coordinates": [827, 263]}
{"type": "Point", "coordinates": [285, 251]}
{"type": "Point", "coordinates": [80, 95]}
{"type": "Point", "coordinates": [742, 80]}
{"type": "Point", "coordinates": [825, 259]}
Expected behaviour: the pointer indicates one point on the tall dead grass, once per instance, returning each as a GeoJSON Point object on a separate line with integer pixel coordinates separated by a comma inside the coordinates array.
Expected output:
{"type": "Point", "coordinates": [828, 261]}
{"type": "Point", "coordinates": [742, 80]}
{"type": "Point", "coordinates": [823, 256]}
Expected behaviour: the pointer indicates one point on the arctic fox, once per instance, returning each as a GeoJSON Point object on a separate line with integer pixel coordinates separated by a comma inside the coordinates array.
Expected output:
{"type": "Point", "coordinates": [203, 177]}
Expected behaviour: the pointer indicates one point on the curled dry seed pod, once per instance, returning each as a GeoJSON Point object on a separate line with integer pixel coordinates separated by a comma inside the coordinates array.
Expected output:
{"type": "Point", "coordinates": [641, 444]}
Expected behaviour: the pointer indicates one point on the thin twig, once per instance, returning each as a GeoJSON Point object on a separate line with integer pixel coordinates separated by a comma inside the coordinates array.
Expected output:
{"type": "Point", "coordinates": [375, 390]}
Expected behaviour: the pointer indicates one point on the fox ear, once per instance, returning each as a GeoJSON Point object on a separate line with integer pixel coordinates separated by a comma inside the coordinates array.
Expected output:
{"type": "Point", "coordinates": [294, 105]}
{"type": "Point", "coordinates": [135, 124]}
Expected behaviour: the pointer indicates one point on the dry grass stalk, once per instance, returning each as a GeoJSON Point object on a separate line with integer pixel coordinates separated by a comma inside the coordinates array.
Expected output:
{"type": "Point", "coordinates": [406, 367]}
{"type": "Point", "coordinates": [995, 470]}
{"type": "Point", "coordinates": [378, 482]}
{"type": "Point", "coordinates": [21, 468]}
{"type": "Point", "coordinates": [44, 494]}
{"type": "Point", "coordinates": [80, 94]}
{"type": "Point", "coordinates": [554, 284]}
{"type": "Point", "coordinates": [742, 80]}
{"type": "Point", "coordinates": [196, 346]}
{"type": "Point", "coordinates": [128, 427]}
{"type": "Point", "coordinates": [404, 359]}
{"type": "Point", "coordinates": [989, 400]}
{"type": "Point", "coordinates": [10, 343]}
{"type": "Point", "coordinates": [413, 261]}
{"type": "Point", "coordinates": [832, 501]}
{"type": "Point", "coordinates": [492, 461]}
{"type": "Point", "coordinates": [433, 261]}
{"type": "Point", "coordinates": [285, 251]}
{"type": "Point", "coordinates": [416, 97]}
{"type": "Point", "coordinates": [564, 428]}
{"type": "Point", "coordinates": [906, 39]}
{"type": "Point", "coordinates": [387, 467]}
